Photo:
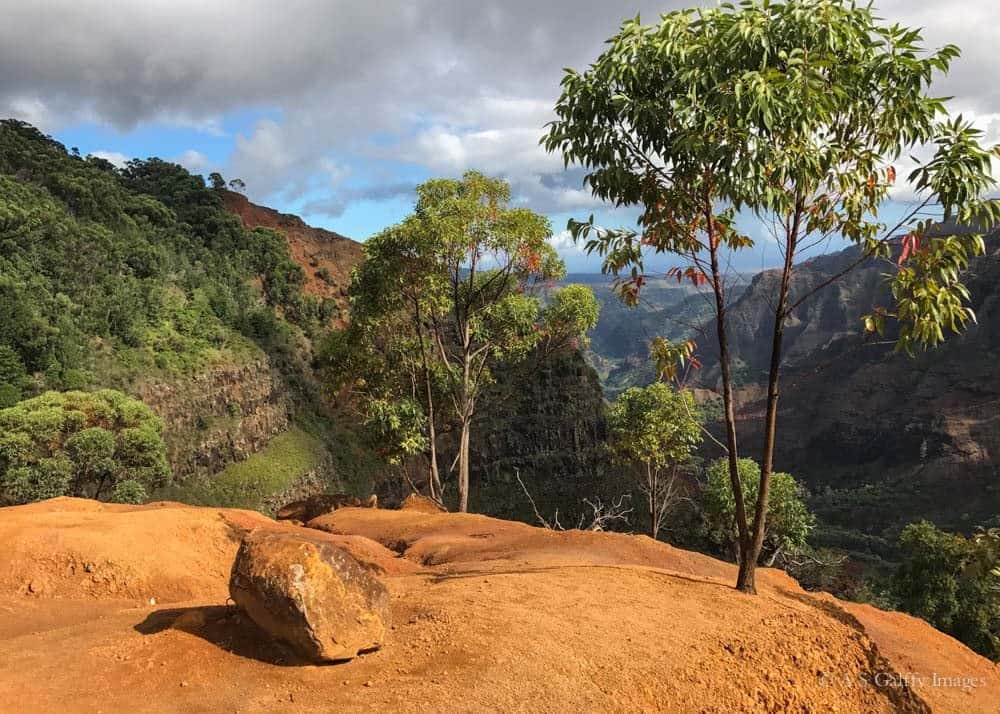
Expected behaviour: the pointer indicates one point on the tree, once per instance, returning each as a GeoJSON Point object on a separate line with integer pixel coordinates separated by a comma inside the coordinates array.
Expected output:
{"type": "Point", "coordinates": [446, 296]}
{"type": "Point", "coordinates": [216, 181]}
{"type": "Point", "coordinates": [952, 582]}
{"type": "Point", "coordinates": [490, 257]}
{"type": "Point", "coordinates": [791, 114]}
{"type": "Point", "coordinates": [12, 376]}
{"type": "Point", "coordinates": [788, 520]}
{"type": "Point", "coordinates": [655, 430]}
{"type": "Point", "coordinates": [89, 444]}
{"type": "Point", "coordinates": [387, 353]}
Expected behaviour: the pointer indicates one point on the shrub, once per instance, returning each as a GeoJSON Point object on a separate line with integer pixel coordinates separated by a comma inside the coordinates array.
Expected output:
{"type": "Point", "coordinates": [788, 520]}
{"type": "Point", "coordinates": [953, 582]}
{"type": "Point", "coordinates": [129, 491]}
{"type": "Point", "coordinates": [79, 444]}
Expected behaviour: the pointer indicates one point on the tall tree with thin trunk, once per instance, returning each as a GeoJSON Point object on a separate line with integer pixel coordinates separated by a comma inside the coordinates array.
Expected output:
{"type": "Point", "coordinates": [491, 257]}
{"type": "Point", "coordinates": [386, 355]}
{"type": "Point", "coordinates": [791, 114]}
{"type": "Point", "coordinates": [655, 430]}
{"type": "Point", "coordinates": [441, 300]}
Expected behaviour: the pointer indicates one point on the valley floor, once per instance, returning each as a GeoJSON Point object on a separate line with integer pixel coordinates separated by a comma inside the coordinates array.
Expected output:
{"type": "Point", "coordinates": [123, 609]}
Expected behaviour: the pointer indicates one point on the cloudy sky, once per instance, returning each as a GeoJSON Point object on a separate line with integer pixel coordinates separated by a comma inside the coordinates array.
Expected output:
{"type": "Point", "coordinates": [336, 109]}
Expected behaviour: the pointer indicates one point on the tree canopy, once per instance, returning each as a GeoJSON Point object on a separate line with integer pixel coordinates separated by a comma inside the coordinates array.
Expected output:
{"type": "Point", "coordinates": [789, 521]}
{"type": "Point", "coordinates": [440, 301]}
{"type": "Point", "coordinates": [794, 114]}
{"type": "Point", "coordinates": [655, 429]}
{"type": "Point", "coordinates": [90, 444]}
{"type": "Point", "coordinates": [953, 582]}
{"type": "Point", "coordinates": [145, 259]}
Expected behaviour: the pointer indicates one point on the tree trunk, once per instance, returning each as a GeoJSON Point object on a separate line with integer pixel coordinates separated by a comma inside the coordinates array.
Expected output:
{"type": "Point", "coordinates": [466, 410]}
{"type": "Point", "coordinates": [434, 475]}
{"type": "Point", "coordinates": [463, 468]}
{"type": "Point", "coordinates": [654, 512]}
{"type": "Point", "coordinates": [748, 563]}
{"type": "Point", "coordinates": [730, 414]}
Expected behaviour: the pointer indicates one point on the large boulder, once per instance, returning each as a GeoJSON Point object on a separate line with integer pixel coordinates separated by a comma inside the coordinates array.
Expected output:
{"type": "Point", "coordinates": [305, 591]}
{"type": "Point", "coordinates": [321, 504]}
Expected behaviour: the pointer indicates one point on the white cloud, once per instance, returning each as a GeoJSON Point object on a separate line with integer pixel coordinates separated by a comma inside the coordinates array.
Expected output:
{"type": "Point", "coordinates": [564, 243]}
{"type": "Point", "coordinates": [434, 82]}
{"type": "Point", "coordinates": [194, 161]}
{"type": "Point", "coordinates": [115, 157]}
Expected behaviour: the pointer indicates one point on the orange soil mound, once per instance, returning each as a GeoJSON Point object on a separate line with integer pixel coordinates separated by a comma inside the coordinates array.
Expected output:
{"type": "Point", "coordinates": [75, 548]}
{"type": "Point", "coordinates": [489, 615]}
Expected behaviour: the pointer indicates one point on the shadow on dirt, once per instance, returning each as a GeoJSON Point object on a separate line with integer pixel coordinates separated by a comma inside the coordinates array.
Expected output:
{"type": "Point", "coordinates": [225, 627]}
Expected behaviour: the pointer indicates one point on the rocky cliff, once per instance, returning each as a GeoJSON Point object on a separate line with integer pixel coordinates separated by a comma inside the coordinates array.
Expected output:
{"type": "Point", "coordinates": [546, 423]}
{"type": "Point", "coordinates": [220, 415]}
{"type": "Point", "coordinates": [327, 257]}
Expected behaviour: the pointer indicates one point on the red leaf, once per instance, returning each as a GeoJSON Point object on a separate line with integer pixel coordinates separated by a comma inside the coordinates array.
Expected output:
{"type": "Point", "coordinates": [911, 243]}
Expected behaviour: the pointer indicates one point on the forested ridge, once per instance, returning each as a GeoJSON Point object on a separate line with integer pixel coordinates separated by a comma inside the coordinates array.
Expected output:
{"type": "Point", "coordinates": [106, 273]}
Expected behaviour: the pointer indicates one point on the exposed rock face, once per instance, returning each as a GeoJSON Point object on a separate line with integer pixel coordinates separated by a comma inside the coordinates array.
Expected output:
{"type": "Point", "coordinates": [546, 423]}
{"type": "Point", "coordinates": [303, 590]}
{"type": "Point", "coordinates": [321, 504]}
{"type": "Point", "coordinates": [218, 416]}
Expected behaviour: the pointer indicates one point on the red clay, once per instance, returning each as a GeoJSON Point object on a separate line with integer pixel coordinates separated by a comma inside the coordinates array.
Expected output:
{"type": "Point", "coordinates": [490, 616]}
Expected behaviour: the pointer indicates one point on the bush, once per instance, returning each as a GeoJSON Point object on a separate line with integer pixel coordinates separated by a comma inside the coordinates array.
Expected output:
{"type": "Point", "coordinates": [9, 395]}
{"type": "Point", "coordinates": [129, 491]}
{"type": "Point", "coordinates": [788, 520]}
{"type": "Point", "coordinates": [953, 582]}
{"type": "Point", "coordinates": [79, 444]}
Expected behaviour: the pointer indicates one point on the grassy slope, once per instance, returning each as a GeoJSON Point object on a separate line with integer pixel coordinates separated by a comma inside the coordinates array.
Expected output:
{"type": "Point", "coordinates": [247, 484]}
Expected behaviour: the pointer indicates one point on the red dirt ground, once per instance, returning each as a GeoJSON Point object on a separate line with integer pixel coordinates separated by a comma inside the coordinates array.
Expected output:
{"type": "Point", "coordinates": [488, 616]}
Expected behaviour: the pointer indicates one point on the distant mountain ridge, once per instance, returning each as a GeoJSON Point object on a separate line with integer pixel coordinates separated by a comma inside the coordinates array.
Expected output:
{"type": "Point", "coordinates": [880, 438]}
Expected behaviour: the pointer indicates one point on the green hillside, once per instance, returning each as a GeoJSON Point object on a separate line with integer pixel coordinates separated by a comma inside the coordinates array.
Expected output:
{"type": "Point", "coordinates": [105, 274]}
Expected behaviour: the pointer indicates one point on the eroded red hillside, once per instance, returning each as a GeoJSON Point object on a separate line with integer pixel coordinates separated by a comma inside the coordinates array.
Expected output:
{"type": "Point", "coordinates": [327, 257]}
{"type": "Point", "coordinates": [116, 609]}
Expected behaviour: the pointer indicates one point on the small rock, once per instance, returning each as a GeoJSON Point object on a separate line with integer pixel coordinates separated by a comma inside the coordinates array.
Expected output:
{"type": "Point", "coordinates": [301, 589]}
{"type": "Point", "coordinates": [421, 504]}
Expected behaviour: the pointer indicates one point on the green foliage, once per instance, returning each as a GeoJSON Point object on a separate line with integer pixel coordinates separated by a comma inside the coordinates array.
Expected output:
{"type": "Point", "coordinates": [792, 111]}
{"type": "Point", "coordinates": [396, 428]}
{"type": "Point", "coordinates": [129, 491]}
{"type": "Point", "coordinates": [655, 430]}
{"type": "Point", "coordinates": [788, 521]}
{"type": "Point", "coordinates": [79, 444]}
{"type": "Point", "coordinates": [569, 315]}
{"type": "Point", "coordinates": [106, 274]}
{"type": "Point", "coordinates": [250, 483]}
{"type": "Point", "coordinates": [12, 376]}
{"type": "Point", "coordinates": [441, 300]}
{"type": "Point", "coordinates": [655, 425]}
{"type": "Point", "coordinates": [952, 582]}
